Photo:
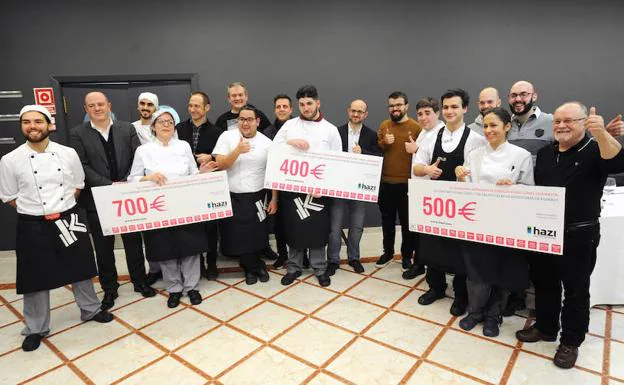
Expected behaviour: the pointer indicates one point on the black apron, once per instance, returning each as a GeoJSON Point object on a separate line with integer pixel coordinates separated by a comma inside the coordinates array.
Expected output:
{"type": "Point", "coordinates": [306, 220]}
{"type": "Point", "coordinates": [496, 265]}
{"type": "Point", "coordinates": [175, 242]}
{"type": "Point", "coordinates": [247, 231]}
{"type": "Point", "coordinates": [439, 252]}
{"type": "Point", "coordinates": [52, 253]}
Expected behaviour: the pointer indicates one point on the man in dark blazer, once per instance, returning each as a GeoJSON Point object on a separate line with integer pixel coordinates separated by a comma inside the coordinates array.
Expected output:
{"type": "Point", "coordinates": [202, 136]}
{"type": "Point", "coordinates": [359, 139]}
{"type": "Point", "coordinates": [106, 149]}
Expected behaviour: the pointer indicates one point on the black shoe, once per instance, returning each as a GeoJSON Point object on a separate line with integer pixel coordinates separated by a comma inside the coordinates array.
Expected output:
{"type": "Point", "coordinates": [430, 297]}
{"type": "Point", "coordinates": [263, 275]}
{"type": "Point", "coordinates": [491, 326]}
{"type": "Point", "coordinates": [470, 321]}
{"type": "Point", "coordinates": [306, 260]}
{"type": "Point", "coordinates": [331, 268]}
{"type": "Point", "coordinates": [194, 296]}
{"type": "Point", "coordinates": [145, 290]}
{"type": "Point", "coordinates": [458, 308]}
{"type": "Point", "coordinates": [323, 280]}
{"type": "Point", "coordinates": [103, 317]}
{"type": "Point", "coordinates": [532, 334]}
{"type": "Point", "coordinates": [270, 254]}
{"type": "Point", "coordinates": [406, 263]}
{"type": "Point", "coordinates": [250, 278]}
{"type": "Point", "coordinates": [513, 306]}
{"type": "Point", "coordinates": [31, 342]}
{"type": "Point", "coordinates": [280, 262]}
{"type": "Point", "coordinates": [174, 300]}
{"type": "Point", "coordinates": [357, 266]}
{"type": "Point", "coordinates": [384, 259]}
{"type": "Point", "coordinates": [109, 299]}
{"type": "Point", "coordinates": [566, 356]}
{"type": "Point", "coordinates": [290, 278]}
{"type": "Point", "coordinates": [151, 278]}
{"type": "Point", "coordinates": [413, 271]}
{"type": "Point", "coordinates": [211, 272]}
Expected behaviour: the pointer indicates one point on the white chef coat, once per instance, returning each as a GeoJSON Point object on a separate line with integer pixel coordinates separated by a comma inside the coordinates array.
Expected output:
{"type": "Point", "coordinates": [246, 174]}
{"type": "Point", "coordinates": [43, 183]}
{"type": "Point", "coordinates": [173, 160]}
{"type": "Point", "coordinates": [320, 135]}
{"type": "Point", "coordinates": [507, 161]}
{"type": "Point", "coordinates": [423, 137]}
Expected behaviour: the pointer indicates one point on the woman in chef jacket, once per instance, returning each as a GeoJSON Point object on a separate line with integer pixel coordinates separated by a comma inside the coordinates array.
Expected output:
{"type": "Point", "coordinates": [493, 270]}
{"type": "Point", "coordinates": [177, 249]}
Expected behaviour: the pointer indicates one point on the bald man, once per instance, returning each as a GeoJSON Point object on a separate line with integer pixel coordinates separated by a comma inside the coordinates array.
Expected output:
{"type": "Point", "coordinates": [356, 138]}
{"type": "Point", "coordinates": [488, 98]}
{"type": "Point", "coordinates": [531, 128]}
{"type": "Point", "coordinates": [579, 163]}
{"type": "Point", "coordinates": [106, 150]}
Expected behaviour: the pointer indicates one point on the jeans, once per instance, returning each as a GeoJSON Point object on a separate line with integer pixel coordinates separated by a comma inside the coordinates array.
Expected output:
{"type": "Point", "coordinates": [357, 211]}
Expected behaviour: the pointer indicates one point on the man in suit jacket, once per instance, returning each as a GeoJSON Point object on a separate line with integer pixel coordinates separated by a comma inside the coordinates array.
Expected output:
{"type": "Point", "coordinates": [106, 150]}
{"type": "Point", "coordinates": [359, 139]}
{"type": "Point", "coordinates": [202, 136]}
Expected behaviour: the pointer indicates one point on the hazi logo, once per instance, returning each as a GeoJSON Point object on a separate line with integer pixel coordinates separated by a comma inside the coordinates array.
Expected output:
{"type": "Point", "coordinates": [217, 205]}
{"type": "Point", "coordinates": [367, 187]}
{"type": "Point", "coordinates": [536, 231]}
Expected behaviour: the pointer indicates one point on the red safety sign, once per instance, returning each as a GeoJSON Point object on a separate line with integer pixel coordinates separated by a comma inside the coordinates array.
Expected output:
{"type": "Point", "coordinates": [44, 96]}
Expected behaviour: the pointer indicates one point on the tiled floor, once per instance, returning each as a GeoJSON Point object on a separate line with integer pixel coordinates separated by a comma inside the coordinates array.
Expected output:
{"type": "Point", "coordinates": [364, 329]}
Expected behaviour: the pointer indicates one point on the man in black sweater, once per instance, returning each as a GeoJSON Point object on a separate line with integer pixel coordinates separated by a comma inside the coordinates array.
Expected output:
{"type": "Point", "coordinates": [237, 97]}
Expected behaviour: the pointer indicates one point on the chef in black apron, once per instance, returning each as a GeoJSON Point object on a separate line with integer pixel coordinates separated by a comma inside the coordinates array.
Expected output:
{"type": "Point", "coordinates": [243, 153]}
{"type": "Point", "coordinates": [438, 157]}
{"type": "Point", "coordinates": [42, 179]}
{"type": "Point", "coordinates": [306, 217]}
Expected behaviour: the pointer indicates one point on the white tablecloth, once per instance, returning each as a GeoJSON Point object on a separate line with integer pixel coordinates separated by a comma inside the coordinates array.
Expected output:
{"type": "Point", "coordinates": [607, 280]}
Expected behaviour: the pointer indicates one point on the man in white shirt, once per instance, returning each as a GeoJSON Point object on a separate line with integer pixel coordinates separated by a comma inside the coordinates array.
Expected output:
{"type": "Point", "coordinates": [146, 105]}
{"type": "Point", "coordinates": [437, 158]}
{"type": "Point", "coordinates": [309, 131]}
{"type": "Point", "coordinates": [41, 180]}
{"type": "Point", "coordinates": [243, 153]}
{"type": "Point", "coordinates": [488, 98]}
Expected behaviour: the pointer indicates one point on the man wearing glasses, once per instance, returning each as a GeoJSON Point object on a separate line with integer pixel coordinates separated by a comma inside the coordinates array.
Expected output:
{"type": "Point", "coordinates": [531, 128]}
{"type": "Point", "coordinates": [359, 139]}
{"type": "Point", "coordinates": [396, 139]}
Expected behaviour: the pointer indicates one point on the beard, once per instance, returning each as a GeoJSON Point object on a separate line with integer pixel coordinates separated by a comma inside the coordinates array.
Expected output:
{"type": "Point", "coordinates": [146, 114]}
{"type": "Point", "coordinates": [397, 118]}
{"type": "Point", "coordinates": [44, 136]}
{"type": "Point", "coordinates": [527, 108]}
{"type": "Point", "coordinates": [312, 116]}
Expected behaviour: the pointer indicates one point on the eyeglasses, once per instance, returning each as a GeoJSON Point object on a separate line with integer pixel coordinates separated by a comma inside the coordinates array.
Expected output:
{"type": "Point", "coordinates": [393, 106]}
{"type": "Point", "coordinates": [246, 120]}
{"type": "Point", "coordinates": [567, 122]}
{"type": "Point", "coordinates": [165, 122]}
{"type": "Point", "coordinates": [357, 112]}
{"type": "Point", "coordinates": [522, 95]}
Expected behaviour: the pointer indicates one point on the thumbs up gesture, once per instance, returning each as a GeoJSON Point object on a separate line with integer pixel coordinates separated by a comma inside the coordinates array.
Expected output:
{"type": "Point", "coordinates": [594, 122]}
{"type": "Point", "coordinates": [357, 149]}
{"type": "Point", "coordinates": [433, 170]}
{"type": "Point", "coordinates": [411, 146]}
{"type": "Point", "coordinates": [244, 145]}
{"type": "Point", "coordinates": [389, 137]}
{"type": "Point", "coordinates": [616, 126]}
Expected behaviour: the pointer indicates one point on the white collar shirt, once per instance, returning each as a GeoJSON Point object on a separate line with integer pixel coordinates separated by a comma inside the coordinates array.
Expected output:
{"type": "Point", "coordinates": [246, 174]}
{"type": "Point", "coordinates": [450, 141]}
{"type": "Point", "coordinates": [353, 137]}
{"type": "Point", "coordinates": [173, 160]}
{"type": "Point", "coordinates": [41, 183]}
{"type": "Point", "coordinates": [102, 132]}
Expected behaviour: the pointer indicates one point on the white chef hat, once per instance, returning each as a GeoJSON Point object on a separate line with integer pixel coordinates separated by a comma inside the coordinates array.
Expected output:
{"type": "Point", "coordinates": [149, 96]}
{"type": "Point", "coordinates": [38, 108]}
{"type": "Point", "coordinates": [156, 114]}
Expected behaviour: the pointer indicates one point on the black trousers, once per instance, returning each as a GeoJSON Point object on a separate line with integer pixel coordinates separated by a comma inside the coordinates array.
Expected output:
{"type": "Point", "coordinates": [572, 270]}
{"type": "Point", "coordinates": [104, 245]}
{"type": "Point", "coordinates": [252, 263]}
{"type": "Point", "coordinates": [436, 279]}
{"type": "Point", "coordinates": [393, 200]}
{"type": "Point", "coordinates": [278, 230]}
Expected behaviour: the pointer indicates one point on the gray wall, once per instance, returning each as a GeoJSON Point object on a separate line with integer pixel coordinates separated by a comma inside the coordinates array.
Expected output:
{"type": "Point", "coordinates": [348, 49]}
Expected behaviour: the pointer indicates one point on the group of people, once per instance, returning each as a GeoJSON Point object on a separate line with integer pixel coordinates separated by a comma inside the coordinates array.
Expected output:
{"type": "Point", "coordinates": [48, 183]}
